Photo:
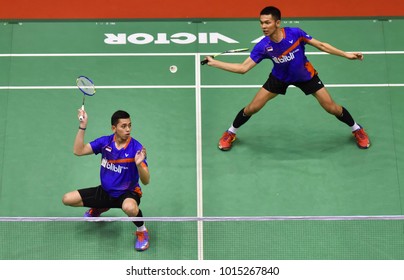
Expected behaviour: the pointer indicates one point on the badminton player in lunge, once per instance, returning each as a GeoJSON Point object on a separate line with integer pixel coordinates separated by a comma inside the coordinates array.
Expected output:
{"type": "Point", "coordinates": [286, 48]}
{"type": "Point", "coordinates": [123, 163]}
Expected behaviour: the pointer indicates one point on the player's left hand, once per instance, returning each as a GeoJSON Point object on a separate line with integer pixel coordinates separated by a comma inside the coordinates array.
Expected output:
{"type": "Point", "coordinates": [140, 156]}
{"type": "Point", "coordinates": [355, 55]}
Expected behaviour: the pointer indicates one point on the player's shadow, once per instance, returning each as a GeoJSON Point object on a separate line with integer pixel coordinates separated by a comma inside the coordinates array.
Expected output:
{"type": "Point", "coordinates": [286, 144]}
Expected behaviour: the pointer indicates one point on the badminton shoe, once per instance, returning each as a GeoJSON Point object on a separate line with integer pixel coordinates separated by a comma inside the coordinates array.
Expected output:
{"type": "Point", "coordinates": [95, 212]}
{"type": "Point", "coordinates": [362, 138]}
{"type": "Point", "coordinates": [142, 240]}
{"type": "Point", "coordinates": [226, 141]}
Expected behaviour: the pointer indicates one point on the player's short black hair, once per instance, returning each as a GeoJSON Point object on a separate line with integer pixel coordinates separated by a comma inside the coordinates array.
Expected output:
{"type": "Point", "coordinates": [271, 10]}
{"type": "Point", "coordinates": [119, 115]}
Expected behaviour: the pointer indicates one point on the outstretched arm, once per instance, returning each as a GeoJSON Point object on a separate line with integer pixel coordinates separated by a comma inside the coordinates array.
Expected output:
{"type": "Point", "coordinates": [79, 148]}
{"type": "Point", "coordinates": [240, 68]}
{"type": "Point", "coordinates": [325, 47]}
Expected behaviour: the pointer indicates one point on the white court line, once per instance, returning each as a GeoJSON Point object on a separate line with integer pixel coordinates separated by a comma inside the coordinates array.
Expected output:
{"type": "Point", "coordinates": [198, 114]}
{"type": "Point", "coordinates": [91, 54]}
{"type": "Point", "coordinates": [327, 85]}
{"type": "Point", "coordinates": [184, 86]}
{"type": "Point", "coordinates": [363, 52]}
{"type": "Point", "coordinates": [206, 219]}
{"type": "Point", "coordinates": [161, 54]}
{"type": "Point", "coordinates": [98, 87]}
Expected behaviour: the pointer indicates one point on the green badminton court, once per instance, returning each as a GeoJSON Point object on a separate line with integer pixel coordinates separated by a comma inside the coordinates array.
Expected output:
{"type": "Point", "coordinates": [292, 159]}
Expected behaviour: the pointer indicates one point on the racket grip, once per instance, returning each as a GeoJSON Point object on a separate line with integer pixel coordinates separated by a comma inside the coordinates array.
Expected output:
{"type": "Point", "coordinates": [81, 118]}
{"type": "Point", "coordinates": [203, 62]}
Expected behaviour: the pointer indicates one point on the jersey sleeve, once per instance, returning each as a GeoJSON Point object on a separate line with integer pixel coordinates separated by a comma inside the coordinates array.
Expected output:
{"type": "Point", "coordinates": [258, 52]}
{"type": "Point", "coordinates": [98, 144]}
{"type": "Point", "coordinates": [302, 34]}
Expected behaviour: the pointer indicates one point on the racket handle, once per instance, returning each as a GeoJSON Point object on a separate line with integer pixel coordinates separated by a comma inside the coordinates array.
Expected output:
{"type": "Point", "coordinates": [203, 62]}
{"type": "Point", "coordinates": [81, 118]}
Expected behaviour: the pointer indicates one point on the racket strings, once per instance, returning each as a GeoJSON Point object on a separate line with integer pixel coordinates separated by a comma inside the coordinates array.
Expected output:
{"type": "Point", "coordinates": [85, 85]}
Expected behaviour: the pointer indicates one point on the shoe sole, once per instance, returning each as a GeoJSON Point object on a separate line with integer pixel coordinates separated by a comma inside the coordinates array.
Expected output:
{"type": "Point", "coordinates": [363, 148]}
{"type": "Point", "coordinates": [142, 249]}
{"type": "Point", "coordinates": [226, 149]}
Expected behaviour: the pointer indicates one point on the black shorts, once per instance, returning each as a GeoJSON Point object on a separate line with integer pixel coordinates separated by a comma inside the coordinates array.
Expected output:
{"type": "Point", "coordinates": [275, 85]}
{"type": "Point", "coordinates": [97, 197]}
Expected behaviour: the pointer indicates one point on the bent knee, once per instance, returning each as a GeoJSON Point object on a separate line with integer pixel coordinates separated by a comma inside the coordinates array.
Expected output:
{"type": "Point", "coordinates": [130, 209]}
{"type": "Point", "coordinates": [72, 199]}
{"type": "Point", "coordinates": [66, 200]}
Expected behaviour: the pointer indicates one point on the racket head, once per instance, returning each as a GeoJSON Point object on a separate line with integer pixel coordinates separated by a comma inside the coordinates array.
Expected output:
{"type": "Point", "coordinates": [85, 85]}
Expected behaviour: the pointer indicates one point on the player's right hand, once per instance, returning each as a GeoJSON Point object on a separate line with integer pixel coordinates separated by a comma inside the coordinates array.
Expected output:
{"type": "Point", "coordinates": [82, 116]}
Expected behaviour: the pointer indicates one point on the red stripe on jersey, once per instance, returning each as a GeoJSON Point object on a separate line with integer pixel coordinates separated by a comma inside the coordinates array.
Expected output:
{"type": "Point", "coordinates": [124, 160]}
{"type": "Point", "coordinates": [291, 48]}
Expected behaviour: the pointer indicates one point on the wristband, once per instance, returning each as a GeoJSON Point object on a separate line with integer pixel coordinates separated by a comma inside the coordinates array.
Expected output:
{"type": "Point", "coordinates": [82, 128]}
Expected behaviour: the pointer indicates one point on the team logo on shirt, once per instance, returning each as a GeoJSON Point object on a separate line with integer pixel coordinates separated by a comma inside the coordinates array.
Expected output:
{"type": "Point", "coordinates": [269, 49]}
{"type": "Point", "coordinates": [108, 149]}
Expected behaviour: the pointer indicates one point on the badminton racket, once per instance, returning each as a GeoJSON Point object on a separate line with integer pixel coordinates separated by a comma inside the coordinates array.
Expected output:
{"type": "Point", "coordinates": [87, 87]}
{"type": "Point", "coordinates": [203, 62]}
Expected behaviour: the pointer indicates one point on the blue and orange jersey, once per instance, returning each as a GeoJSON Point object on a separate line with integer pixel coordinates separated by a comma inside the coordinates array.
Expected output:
{"type": "Point", "coordinates": [118, 170]}
{"type": "Point", "coordinates": [288, 56]}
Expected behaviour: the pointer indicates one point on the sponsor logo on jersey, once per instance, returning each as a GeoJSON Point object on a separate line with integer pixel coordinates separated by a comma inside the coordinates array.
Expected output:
{"type": "Point", "coordinates": [285, 58]}
{"type": "Point", "coordinates": [111, 166]}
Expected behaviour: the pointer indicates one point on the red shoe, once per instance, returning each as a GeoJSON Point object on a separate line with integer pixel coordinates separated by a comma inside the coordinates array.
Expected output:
{"type": "Point", "coordinates": [362, 138]}
{"type": "Point", "coordinates": [226, 141]}
{"type": "Point", "coordinates": [142, 240]}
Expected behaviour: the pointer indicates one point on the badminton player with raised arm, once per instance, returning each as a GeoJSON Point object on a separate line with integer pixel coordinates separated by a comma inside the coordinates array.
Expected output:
{"type": "Point", "coordinates": [285, 46]}
{"type": "Point", "coordinates": [123, 163]}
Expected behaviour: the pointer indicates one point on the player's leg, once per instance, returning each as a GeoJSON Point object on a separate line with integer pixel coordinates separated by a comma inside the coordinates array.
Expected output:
{"type": "Point", "coordinates": [343, 115]}
{"type": "Point", "coordinates": [258, 102]}
{"type": "Point", "coordinates": [266, 93]}
{"type": "Point", "coordinates": [89, 197]}
{"type": "Point", "coordinates": [72, 198]}
{"type": "Point", "coordinates": [130, 206]}
{"type": "Point", "coordinates": [328, 104]}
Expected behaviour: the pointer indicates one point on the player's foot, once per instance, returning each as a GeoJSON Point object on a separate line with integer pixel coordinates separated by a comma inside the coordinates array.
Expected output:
{"type": "Point", "coordinates": [142, 240]}
{"type": "Point", "coordinates": [226, 141]}
{"type": "Point", "coordinates": [95, 212]}
{"type": "Point", "coordinates": [362, 138]}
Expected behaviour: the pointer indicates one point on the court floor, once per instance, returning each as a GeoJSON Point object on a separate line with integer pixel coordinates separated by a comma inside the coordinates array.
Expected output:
{"type": "Point", "coordinates": [291, 159]}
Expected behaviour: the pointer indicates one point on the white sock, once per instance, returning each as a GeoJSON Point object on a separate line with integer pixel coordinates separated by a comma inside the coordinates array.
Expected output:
{"type": "Point", "coordinates": [233, 129]}
{"type": "Point", "coordinates": [142, 228]}
{"type": "Point", "coordinates": [355, 127]}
